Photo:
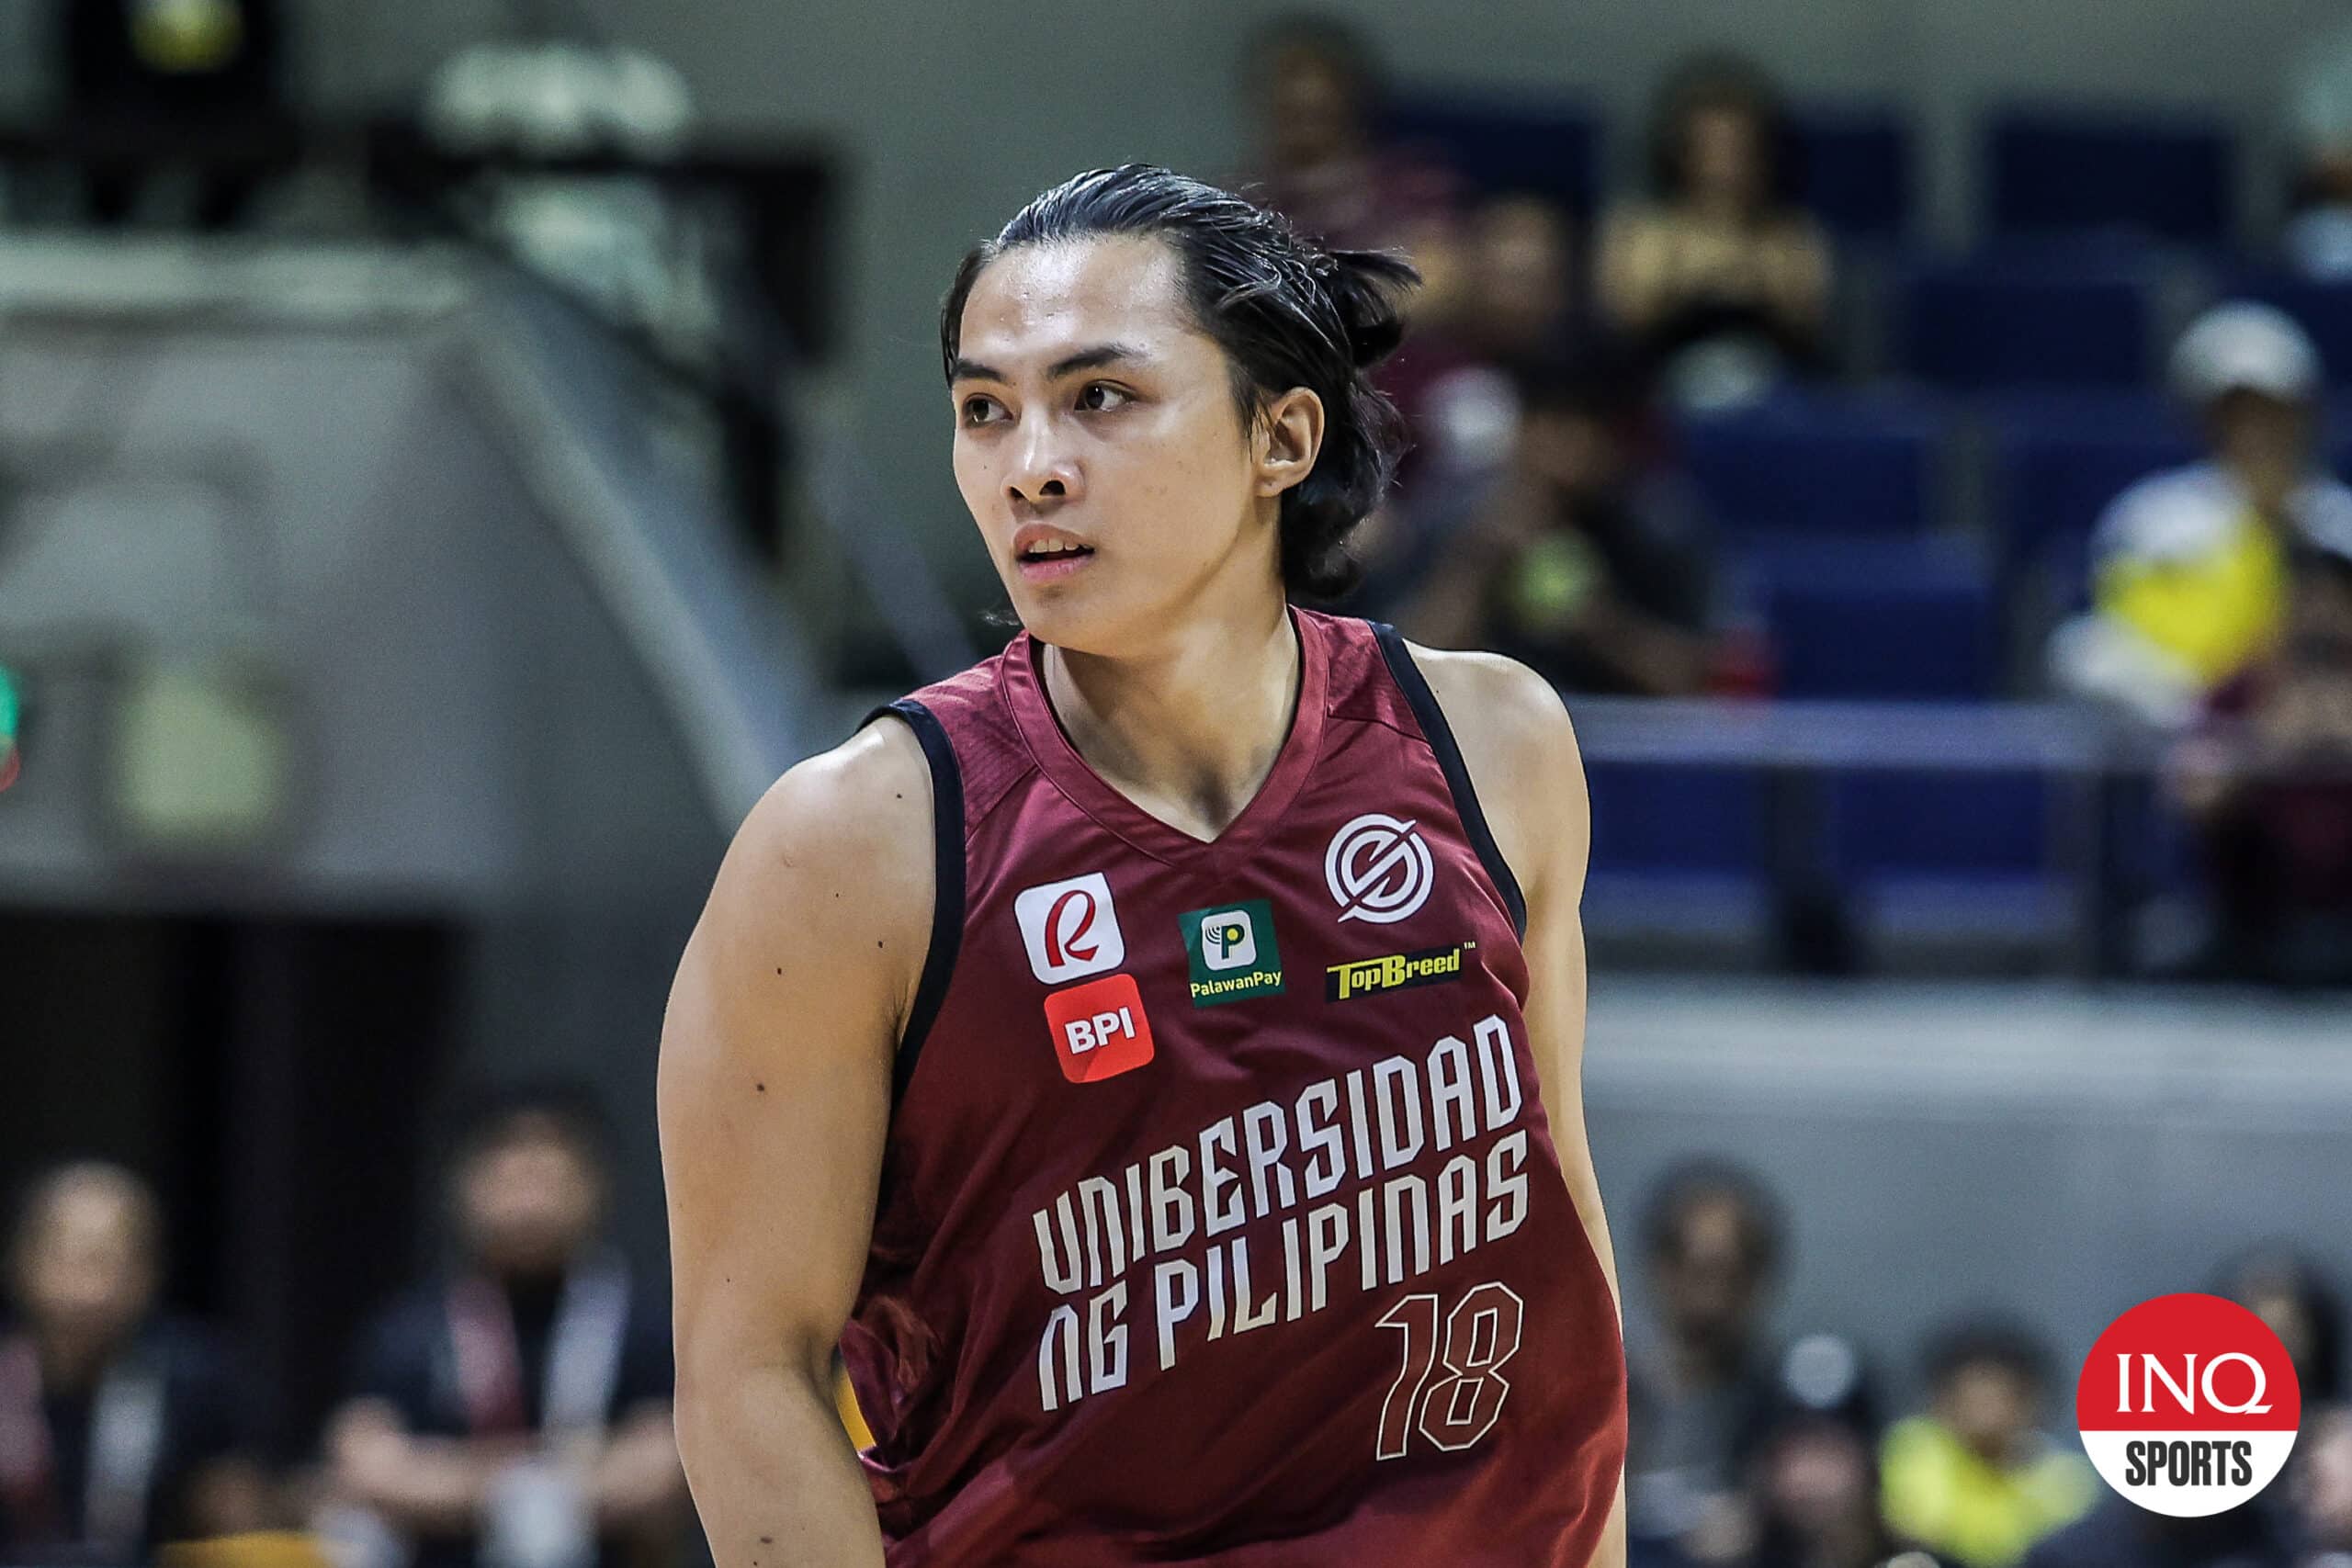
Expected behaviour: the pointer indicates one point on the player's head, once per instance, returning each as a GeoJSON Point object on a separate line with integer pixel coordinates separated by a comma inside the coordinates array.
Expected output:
{"type": "Point", "coordinates": [87, 1256]}
{"type": "Point", "coordinates": [1316, 81]}
{"type": "Point", "coordinates": [528, 1186]}
{"type": "Point", "coordinates": [1713, 1238]}
{"type": "Point", "coordinates": [1719, 136]}
{"type": "Point", "coordinates": [1171, 378]}
{"type": "Point", "coordinates": [1988, 1377]}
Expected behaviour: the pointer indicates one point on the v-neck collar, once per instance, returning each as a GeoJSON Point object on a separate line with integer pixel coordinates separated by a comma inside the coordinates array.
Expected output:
{"type": "Point", "coordinates": [1024, 684]}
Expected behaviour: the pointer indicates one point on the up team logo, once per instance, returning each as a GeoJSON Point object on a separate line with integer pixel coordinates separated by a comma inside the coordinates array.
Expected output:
{"type": "Point", "coordinates": [1378, 869]}
{"type": "Point", "coordinates": [1070, 928]}
{"type": "Point", "coordinates": [2188, 1404]}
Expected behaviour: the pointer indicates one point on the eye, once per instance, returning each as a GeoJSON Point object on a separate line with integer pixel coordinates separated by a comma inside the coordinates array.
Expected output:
{"type": "Point", "coordinates": [1090, 400]}
{"type": "Point", "coordinates": [978, 411]}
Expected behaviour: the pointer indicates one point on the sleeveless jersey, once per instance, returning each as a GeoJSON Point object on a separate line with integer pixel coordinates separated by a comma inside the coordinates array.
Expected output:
{"type": "Point", "coordinates": [1219, 1220]}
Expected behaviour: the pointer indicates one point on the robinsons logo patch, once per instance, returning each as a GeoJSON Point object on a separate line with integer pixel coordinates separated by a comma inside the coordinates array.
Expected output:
{"type": "Point", "coordinates": [1233, 952]}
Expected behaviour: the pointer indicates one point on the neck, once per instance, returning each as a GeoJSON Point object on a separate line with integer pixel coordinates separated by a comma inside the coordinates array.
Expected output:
{"type": "Point", "coordinates": [1851, 1542]}
{"type": "Point", "coordinates": [70, 1363]}
{"type": "Point", "coordinates": [1188, 730]}
{"type": "Point", "coordinates": [2267, 484]}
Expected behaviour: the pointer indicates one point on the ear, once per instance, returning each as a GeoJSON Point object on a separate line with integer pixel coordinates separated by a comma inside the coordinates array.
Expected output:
{"type": "Point", "coordinates": [1288, 436]}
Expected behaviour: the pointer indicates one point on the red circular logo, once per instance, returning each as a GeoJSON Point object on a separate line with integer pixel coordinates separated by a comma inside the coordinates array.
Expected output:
{"type": "Point", "coordinates": [2188, 1404]}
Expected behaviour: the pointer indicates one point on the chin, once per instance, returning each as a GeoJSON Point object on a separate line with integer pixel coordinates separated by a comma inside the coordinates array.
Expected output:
{"type": "Point", "coordinates": [1073, 622]}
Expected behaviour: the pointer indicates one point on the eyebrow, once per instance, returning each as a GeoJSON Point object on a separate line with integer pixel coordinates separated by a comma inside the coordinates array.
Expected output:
{"type": "Point", "coordinates": [1093, 359]}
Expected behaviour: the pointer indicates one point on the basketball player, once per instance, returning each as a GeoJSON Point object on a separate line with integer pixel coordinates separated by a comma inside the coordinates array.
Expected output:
{"type": "Point", "coordinates": [1153, 1054]}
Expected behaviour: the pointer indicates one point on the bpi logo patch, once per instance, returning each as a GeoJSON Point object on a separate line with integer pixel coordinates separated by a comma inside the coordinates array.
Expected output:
{"type": "Point", "coordinates": [1378, 869]}
{"type": "Point", "coordinates": [1099, 1030]}
{"type": "Point", "coordinates": [1069, 929]}
{"type": "Point", "coordinates": [2189, 1405]}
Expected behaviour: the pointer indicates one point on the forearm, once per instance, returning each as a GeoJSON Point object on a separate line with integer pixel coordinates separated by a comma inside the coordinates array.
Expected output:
{"type": "Point", "coordinates": [434, 1488]}
{"type": "Point", "coordinates": [636, 1482]}
{"type": "Point", "coordinates": [773, 1473]}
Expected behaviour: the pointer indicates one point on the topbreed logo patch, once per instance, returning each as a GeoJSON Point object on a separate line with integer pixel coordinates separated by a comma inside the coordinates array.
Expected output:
{"type": "Point", "coordinates": [2188, 1404]}
{"type": "Point", "coordinates": [1395, 971]}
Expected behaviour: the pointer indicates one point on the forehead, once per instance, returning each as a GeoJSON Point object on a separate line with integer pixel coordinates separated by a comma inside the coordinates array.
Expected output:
{"type": "Point", "coordinates": [82, 1213]}
{"type": "Point", "coordinates": [1037, 303]}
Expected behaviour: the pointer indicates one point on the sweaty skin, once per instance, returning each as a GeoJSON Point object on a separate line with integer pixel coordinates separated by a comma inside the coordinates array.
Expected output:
{"type": "Point", "coordinates": [1171, 666]}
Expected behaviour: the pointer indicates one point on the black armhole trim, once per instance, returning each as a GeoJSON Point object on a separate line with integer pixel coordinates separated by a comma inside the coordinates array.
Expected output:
{"type": "Point", "coordinates": [947, 894]}
{"type": "Point", "coordinates": [1415, 688]}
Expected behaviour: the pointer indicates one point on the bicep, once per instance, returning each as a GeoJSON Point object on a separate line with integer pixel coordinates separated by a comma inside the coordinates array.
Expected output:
{"type": "Point", "coordinates": [775, 1083]}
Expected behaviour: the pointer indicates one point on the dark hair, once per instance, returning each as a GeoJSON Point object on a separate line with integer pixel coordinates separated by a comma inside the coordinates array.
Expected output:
{"type": "Point", "coordinates": [1329, 39]}
{"type": "Point", "coordinates": [1987, 1341]}
{"type": "Point", "coordinates": [1698, 1182]}
{"type": "Point", "coordinates": [1721, 82]}
{"type": "Point", "coordinates": [1287, 311]}
{"type": "Point", "coordinates": [1593, 376]}
{"type": "Point", "coordinates": [2276, 1268]}
{"type": "Point", "coordinates": [525, 1113]}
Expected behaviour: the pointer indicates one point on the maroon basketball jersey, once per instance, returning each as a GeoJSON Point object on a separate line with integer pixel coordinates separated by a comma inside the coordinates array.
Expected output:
{"type": "Point", "coordinates": [1219, 1220]}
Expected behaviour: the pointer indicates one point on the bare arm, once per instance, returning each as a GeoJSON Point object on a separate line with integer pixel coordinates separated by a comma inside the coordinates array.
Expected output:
{"type": "Point", "coordinates": [431, 1487]}
{"type": "Point", "coordinates": [775, 1099]}
{"type": "Point", "coordinates": [1523, 757]}
{"type": "Point", "coordinates": [636, 1480]}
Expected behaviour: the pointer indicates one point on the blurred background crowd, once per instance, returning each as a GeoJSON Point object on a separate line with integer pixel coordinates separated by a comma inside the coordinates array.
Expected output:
{"type": "Point", "coordinates": [453, 455]}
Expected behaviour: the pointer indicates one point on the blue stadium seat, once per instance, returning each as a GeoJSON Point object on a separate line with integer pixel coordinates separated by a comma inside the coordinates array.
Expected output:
{"type": "Point", "coordinates": [2059, 459]}
{"type": "Point", "coordinates": [1675, 819]}
{"type": "Point", "coordinates": [1540, 145]}
{"type": "Point", "coordinates": [2021, 321]}
{"type": "Point", "coordinates": [2053, 170]}
{"type": "Point", "coordinates": [1880, 618]}
{"type": "Point", "coordinates": [1678, 851]}
{"type": "Point", "coordinates": [2323, 309]}
{"type": "Point", "coordinates": [1812, 465]}
{"type": "Point", "coordinates": [1910, 823]}
{"type": "Point", "coordinates": [1855, 170]}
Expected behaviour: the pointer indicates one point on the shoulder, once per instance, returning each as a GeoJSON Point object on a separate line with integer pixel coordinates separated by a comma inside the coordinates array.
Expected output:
{"type": "Point", "coordinates": [2179, 511]}
{"type": "Point", "coordinates": [2324, 511]}
{"type": "Point", "coordinates": [1636, 223]}
{"type": "Point", "coordinates": [1499, 709]}
{"type": "Point", "coordinates": [1520, 751]}
{"type": "Point", "coordinates": [819, 920]}
{"type": "Point", "coordinates": [854, 821]}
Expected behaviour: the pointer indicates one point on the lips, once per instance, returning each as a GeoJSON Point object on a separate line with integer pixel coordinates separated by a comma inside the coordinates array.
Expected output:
{"type": "Point", "coordinates": [1045, 554]}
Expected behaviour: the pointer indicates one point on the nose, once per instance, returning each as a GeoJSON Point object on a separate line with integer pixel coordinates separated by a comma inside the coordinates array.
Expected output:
{"type": "Point", "coordinates": [1042, 477]}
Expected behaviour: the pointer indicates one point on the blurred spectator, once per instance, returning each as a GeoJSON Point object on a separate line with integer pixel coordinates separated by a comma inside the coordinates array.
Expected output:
{"type": "Point", "coordinates": [204, 70]}
{"type": "Point", "coordinates": [1700, 1383]}
{"type": "Point", "coordinates": [2189, 568]}
{"type": "Point", "coordinates": [2270, 781]}
{"type": "Point", "coordinates": [1583, 557]}
{"type": "Point", "coordinates": [1516, 307]}
{"type": "Point", "coordinates": [1974, 1478]}
{"type": "Point", "coordinates": [2319, 1488]}
{"type": "Point", "coordinates": [2318, 233]}
{"type": "Point", "coordinates": [2301, 1306]}
{"type": "Point", "coordinates": [119, 1426]}
{"type": "Point", "coordinates": [517, 1409]}
{"type": "Point", "coordinates": [2120, 1534]}
{"type": "Point", "coordinates": [1317, 86]}
{"type": "Point", "coordinates": [1722, 278]}
{"type": "Point", "coordinates": [1815, 1468]}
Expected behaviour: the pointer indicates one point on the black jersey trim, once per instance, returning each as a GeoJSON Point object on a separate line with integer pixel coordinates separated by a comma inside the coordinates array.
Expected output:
{"type": "Point", "coordinates": [947, 884]}
{"type": "Point", "coordinates": [1416, 687]}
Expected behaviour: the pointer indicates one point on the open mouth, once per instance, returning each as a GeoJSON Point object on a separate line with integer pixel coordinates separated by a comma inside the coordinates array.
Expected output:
{"type": "Point", "coordinates": [1043, 562]}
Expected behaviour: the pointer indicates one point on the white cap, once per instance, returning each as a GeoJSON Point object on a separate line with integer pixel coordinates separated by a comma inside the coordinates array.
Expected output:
{"type": "Point", "coordinates": [2242, 346]}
